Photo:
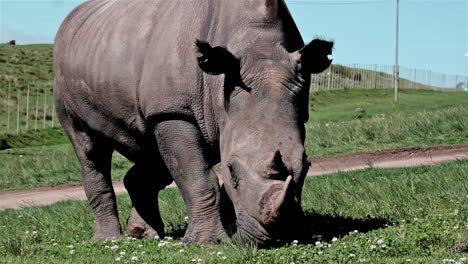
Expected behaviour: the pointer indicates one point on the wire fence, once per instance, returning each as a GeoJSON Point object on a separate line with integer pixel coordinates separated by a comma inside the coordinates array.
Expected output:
{"type": "Point", "coordinates": [360, 76]}
{"type": "Point", "coordinates": [30, 106]}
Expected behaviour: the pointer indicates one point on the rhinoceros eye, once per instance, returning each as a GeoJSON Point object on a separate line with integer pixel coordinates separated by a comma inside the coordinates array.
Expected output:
{"type": "Point", "coordinates": [234, 178]}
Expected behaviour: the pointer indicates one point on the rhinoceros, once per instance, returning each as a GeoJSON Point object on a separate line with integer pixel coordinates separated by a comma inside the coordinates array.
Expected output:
{"type": "Point", "coordinates": [177, 87]}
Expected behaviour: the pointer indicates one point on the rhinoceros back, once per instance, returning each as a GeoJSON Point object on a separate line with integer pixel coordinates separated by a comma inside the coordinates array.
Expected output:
{"type": "Point", "coordinates": [120, 62]}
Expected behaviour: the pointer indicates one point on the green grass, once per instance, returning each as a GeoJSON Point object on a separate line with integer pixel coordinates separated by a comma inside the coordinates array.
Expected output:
{"type": "Point", "coordinates": [339, 105]}
{"type": "Point", "coordinates": [419, 214]}
{"type": "Point", "coordinates": [48, 165]}
{"type": "Point", "coordinates": [389, 131]}
{"type": "Point", "coordinates": [24, 168]}
{"type": "Point", "coordinates": [42, 137]}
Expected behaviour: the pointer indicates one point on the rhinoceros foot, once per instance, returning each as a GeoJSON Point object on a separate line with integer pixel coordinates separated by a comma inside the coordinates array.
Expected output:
{"type": "Point", "coordinates": [139, 228]}
{"type": "Point", "coordinates": [205, 233]}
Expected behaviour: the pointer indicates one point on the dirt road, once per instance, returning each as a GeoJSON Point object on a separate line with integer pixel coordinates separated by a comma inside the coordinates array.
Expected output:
{"type": "Point", "coordinates": [322, 166]}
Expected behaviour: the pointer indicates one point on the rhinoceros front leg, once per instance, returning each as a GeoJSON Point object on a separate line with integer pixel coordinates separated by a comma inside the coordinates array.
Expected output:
{"type": "Point", "coordinates": [182, 148]}
{"type": "Point", "coordinates": [143, 183]}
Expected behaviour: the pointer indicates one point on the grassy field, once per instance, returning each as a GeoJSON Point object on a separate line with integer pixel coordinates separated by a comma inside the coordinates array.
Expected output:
{"type": "Point", "coordinates": [340, 105]}
{"type": "Point", "coordinates": [44, 159]}
{"type": "Point", "coordinates": [416, 215]}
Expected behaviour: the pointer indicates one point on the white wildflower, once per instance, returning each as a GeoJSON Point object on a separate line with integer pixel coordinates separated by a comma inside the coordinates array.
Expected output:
{"type": "Point", "coordinates": [352, 255]}
{"type": "Point", "coordinates": [72, 252]}
{"type": "Point", "coordinates": [199, 260]}
{"type": "Point", "coordinates": [122, 253]}
{"type": "Point", "coordinates": [373, 247]}
{"type": "Point", "coordinates": [294, 242]}
{"type": "Point", "coordinates": [114, 247]}
{"type": "Point", "coordinates": [380, 241]}
{"type": "Point", "coordinates": [70, 246]}
{"type": "Point", "coordinates": [156, 237]}
{"type": "Point", "coordinates": [134, 258]}
{"type": "Point", "coordinates": [54, 244]}
{"type": "Point", "coordinates": [26, 232]}
{"type": "Point", "coordinates": [224, 257]}
{"type": "Point", "coordinates": [219, 253]}
{"type": "Point", "coordinates": [186, 219]}
{"type": "Point", "coordinates": [181, 251]}
{"type": "Point", "coordinates": [318, 243]}
{"type": "Point", "coordinates": [117, 259]}
{"type": "Point", "coordinates": [334, 239]}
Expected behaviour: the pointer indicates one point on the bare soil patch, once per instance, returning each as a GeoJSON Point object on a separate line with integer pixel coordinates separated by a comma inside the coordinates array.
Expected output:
{"type": "Point", "coordinates": [411, 157]}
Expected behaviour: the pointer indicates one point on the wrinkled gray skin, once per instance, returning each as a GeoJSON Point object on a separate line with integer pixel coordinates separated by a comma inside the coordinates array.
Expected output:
{"type": "Point", "coordinates": [177, 87]}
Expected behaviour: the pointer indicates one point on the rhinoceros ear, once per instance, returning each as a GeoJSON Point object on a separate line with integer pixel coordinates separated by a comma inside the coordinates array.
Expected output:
{"type": "Point", "coordinates": [315, 57]}
{"type": "Point", "coordinates": [215, 60]}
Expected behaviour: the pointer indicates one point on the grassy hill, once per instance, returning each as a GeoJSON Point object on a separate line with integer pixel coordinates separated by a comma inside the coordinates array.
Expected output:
{"type": "Point", "coordinates": [28, 63]}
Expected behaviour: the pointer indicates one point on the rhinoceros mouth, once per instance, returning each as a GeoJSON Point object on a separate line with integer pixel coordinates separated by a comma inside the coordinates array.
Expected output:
{"type": "Point", "coordinates": [249, 229]}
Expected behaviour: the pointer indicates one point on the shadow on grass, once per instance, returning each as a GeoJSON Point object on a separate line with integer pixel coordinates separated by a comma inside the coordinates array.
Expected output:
{"type": "Point", "coordinates": [320, 227]}
{"type": "Point", "coordinates": [316, 227]}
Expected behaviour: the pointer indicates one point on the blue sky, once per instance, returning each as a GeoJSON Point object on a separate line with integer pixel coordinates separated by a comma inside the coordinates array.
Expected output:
{"type": "Point", "coordinates": [433, 36]}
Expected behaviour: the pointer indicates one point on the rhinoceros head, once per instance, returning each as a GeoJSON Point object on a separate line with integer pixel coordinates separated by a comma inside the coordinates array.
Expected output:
{"type": "Point", "coordinates": [263, 98]}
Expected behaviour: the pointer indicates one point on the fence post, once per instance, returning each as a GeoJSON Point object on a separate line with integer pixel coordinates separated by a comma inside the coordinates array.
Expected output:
{"type": "Point", "coordinates": [353, 75]}
{"type": "Point", "coordinates": [37, 108]}
{"type": "Point", "coordinates": [45, 108]}
{"type": "Point", "coordinates": [329, 77]}
{"type": "Point", "coordinates": [27, 109]}
{"type": "Point", "coordinates": [18, 110]}
{"type": "Point", "coordinates": [8, 106]}
{"type": "Point", "coordinates": [375, 76]}
{"type": "Point", "coordinates": [430, 78]}
{"type": "Point", "coordinates": [53, 108]}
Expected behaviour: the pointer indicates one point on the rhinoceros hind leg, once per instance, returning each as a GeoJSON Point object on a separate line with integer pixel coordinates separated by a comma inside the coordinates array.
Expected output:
{"type": "Point", "coordinates": [143, 184]}
{"type": "Point", "coordinates": [95, 158]}
{"type": "Point", "coordinates": [183, 151]}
